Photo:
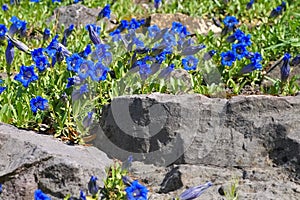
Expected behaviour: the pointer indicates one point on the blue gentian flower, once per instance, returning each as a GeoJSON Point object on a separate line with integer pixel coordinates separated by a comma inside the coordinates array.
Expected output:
{"type": "Point", "coordinates": [46, 34]}
{"type": "Point", "coordinates": [3, 31]}
{"type": "Point", "coordinates": [82, 195]}
{"type": "Point", "coordinates": [251, 67]}
{"type": "Point", "coordinates": [295, 60]}
{"type": "Point", "coordinates": [4, 7]}
{"type": "Point", "coordinates": [38, 103]}
{"type": "Point", "coordinates": [250, 4]}
{"type": "Point", "coordinates": [67, 33]}
{"type": "Point", "coordinates": [99, 72]}
{"type": "Point", "coordinates": [136, 191]}
{"type": "Point", "coordinates": [256, 57]}
{"type": "Point", "coordinates": [239, 50]}
{"type": "Point", "coordinates": [84, 89]}
{"type": "Point", "coordinates": [41, 63]}
{"type": "Point", "coordinates": [157, 3]}
{"type": "Point", "coordinates": [74, 62]}
{"type": "Point", "coordinates": [70, 82]}
{"type": "Point", "coordinates": [17, 26]}
{"type": "Point", "coordinates": [285, 68]}
{"type": "Point", "coordinates": [9, 52]}
{"type": "Point", "coordinates": [169, 39]}
{"type": "Point", "coordinates": [2, 90]}
{"type": "Point", "coordinates": [105, 12]}
{"type": "Point", "coordinates": [191, 50]}
{"type": "Point", "coordinates": [237, 35]}
{"type": "Point", "coordinates": [133, 24]}
{"type": "Point", "coordinates": [94, 37]}
{"type": "Point", "coordinates": [85, 68]}
{"type": "Point", "coordinates": [35, 1]}
{"type": "Point", "coordinates": [86, 51]}
{"type": "Point", "coordinates": [230, 21]}
{"type": "Point", "coordinates": [92, 185]}
{"type": "Point", "coordinates": [276, 11]}
{"type": "Point", "coordinates": [144, 68]}
{"type": "Point", "coordinates": [20, 45]}
{"type": "Point", "coordinates": [39, 195]}
{"type": "Point", "coordinates": [99, 52]}
{"type": "Point", "coordinates": [153, 30]}
{"type": "Point", "coordinates": [227, 58]}
{"type": "Point", "coordinates": [53, 1]}
{"type": "Point", "coordinates": [162, 56]}
{"type": "Point", "coordinates": [209, 55]}
{"type": "Point", "coordinates": [166, 71]}
{"type": "Point", "coordinates": [0, 183]}
{"type": "Point", "coordinates": [194, 192]}
{"type": "Point", "coordinates": [190, 63]}
{"type": "Point", "coordinates": [116, 36]}
{"type": "Point", "coordinates": [26, 75]}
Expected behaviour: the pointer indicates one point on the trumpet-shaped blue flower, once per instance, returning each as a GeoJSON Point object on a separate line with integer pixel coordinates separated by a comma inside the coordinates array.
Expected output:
{"type": "Point", "coordinates": [209, 55]}
{"type": "Point", "coordinates": [70, 82]}
{"type": "Point", "coordinates": [86, 51]}
{"type": "Point", "coordinates": [92, 185]}
{"type": "Point", "coordinates": [17, 26]}
{"type": "Point", "coordinates": [4, 7]}
{"type": "Point", "coordinates": [99, 72]}
{"type": "Point", "coordinates": [227, 58]}
{"type": "Point", "coordinates": [249, 4]}
{"type": "Point", "coordinates": [85, 68]}
{"type": "Point", "coordinates": [105, 12]}
{"type": "Point", "coordinates": [74, 62]}
{"type": "Point", "coordinates": [190, 63]}
{"type": "Point", "coordinates": [82, 195]}
{"type": "Point", "coordinates": [191, 50]}
{"type": "Point", "coordinates": [3, 31]}
{"type": "Point", "coordinates": [94, 32]}
{"type": "Point", "coordinates": [285, 68]}
{"type": "Point", "coordinates": [194, 192]}
{"type": "Point", "coordinates": [39, 195]}
{"type": "Point", "coordinates": [295, 60]}
{"type": "Point", "coordinates": [99, 52]}
{"type": "Point", "coordinates": [46, 34]}
{"type": "Point", "coordinates": [136, 191]}
{"type": "Point", "coordinates": [166, 71]}
{"type": "Point", "coordinates": [67, 33]}
{"type": "Point", "coordinates": [9, 52]}
{"type": "Point", "coordinates": [239, 50]}
{"type": "Point", "coordinates": [157, 3]}
{"type": "Point", "coordinates": [153, 30]}
{"type": "Point", "coordinates": [1, 90]}
{"type": "Point", "coordinates": [38, 103]}
{"type": "Point", "coordinates": [251, 67]}
{"type": "Point", "coordinates": [230, 21]}
{"type": "Point", "coordinates": [26, 75]}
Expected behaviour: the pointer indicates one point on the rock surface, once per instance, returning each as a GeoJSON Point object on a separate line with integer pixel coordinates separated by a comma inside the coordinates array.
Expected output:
{"type": "Point", "coordinates": [30, 161]}
{"type": "Point", "coordinates": [257, 136]}
{"type": "Point", "coordinates": [79, 15]}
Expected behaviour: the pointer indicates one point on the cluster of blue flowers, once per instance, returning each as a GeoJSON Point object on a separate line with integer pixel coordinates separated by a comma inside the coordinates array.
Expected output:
{"type": "Point", "coordinates": [240, 41]}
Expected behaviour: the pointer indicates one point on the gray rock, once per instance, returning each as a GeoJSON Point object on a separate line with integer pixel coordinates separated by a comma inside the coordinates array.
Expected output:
{"type": "Point", "coordinates": [30, 161]}
{"type": "Point", "coordinates": [79, 15]}
{"type": "Point", "coordinates": [253, 137]}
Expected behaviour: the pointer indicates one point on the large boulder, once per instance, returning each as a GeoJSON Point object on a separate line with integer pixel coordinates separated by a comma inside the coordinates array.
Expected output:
{"type": "Point", "coordinates": [255, 138]}
{"type": "Point", "coordinates": [30, 161]}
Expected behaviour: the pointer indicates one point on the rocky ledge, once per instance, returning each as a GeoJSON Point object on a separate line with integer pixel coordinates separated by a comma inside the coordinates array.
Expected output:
{"type": "Point", "coordinates": [176, 142]}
